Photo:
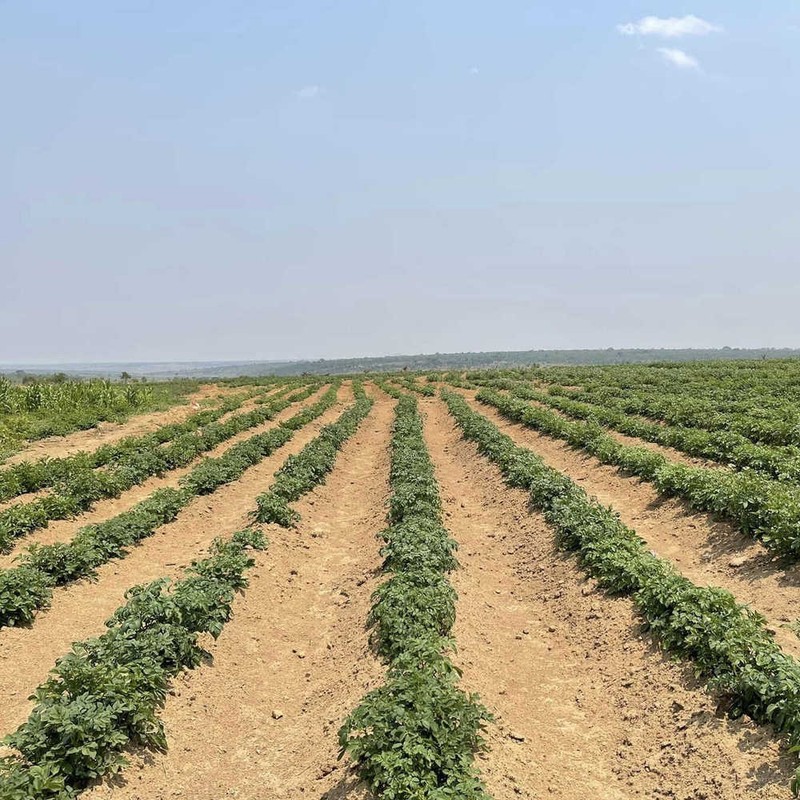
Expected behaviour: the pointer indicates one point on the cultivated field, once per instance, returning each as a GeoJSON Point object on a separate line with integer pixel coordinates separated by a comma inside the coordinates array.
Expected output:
{"type": "Point", "coordinates": [546, 582]}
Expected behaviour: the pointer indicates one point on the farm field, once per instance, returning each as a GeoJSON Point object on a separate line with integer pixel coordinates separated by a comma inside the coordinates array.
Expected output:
{"type": "Point", "coordinates": [560, 582]}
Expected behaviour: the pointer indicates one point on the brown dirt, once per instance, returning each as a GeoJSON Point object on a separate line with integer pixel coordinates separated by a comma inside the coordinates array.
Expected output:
{"type": "Point", "coordinates": [705, 550]}
{"type": "Point", "coordinates": [108, 432]}
{"type": "Point", "coordinates": [248, 405]}
{"type": "Point", "coordinates": [602, 713]}
{"type": "Point", "coordinates": [64, 530]}
{"type": "Point", "coordinates": [586, 704]}
{"type": "Point", "coordinates": [79, 610]}
{"type": "Point", "coordinates": [296, 645]}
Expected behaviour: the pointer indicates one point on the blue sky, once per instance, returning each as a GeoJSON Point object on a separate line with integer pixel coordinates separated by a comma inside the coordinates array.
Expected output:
{"type": "Point", "coordinates": [320, 179]}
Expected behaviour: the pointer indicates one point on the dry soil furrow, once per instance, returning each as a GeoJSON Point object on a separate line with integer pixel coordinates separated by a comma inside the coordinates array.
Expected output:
{"type": "Point", "coordinates": [63, 530]}
{"type": "Point", "coordinates": [248, 405]}
{"type": "Point", "coordinates": [600, 711]}
{"type": "Point", "coordinates": [79, 610]}
{"type": "Point", "coordinates": [296, 649]}
{"type": "Point", "coordinates": [108, 432]}
{"type": "Point", "coordinates": [707, 551]}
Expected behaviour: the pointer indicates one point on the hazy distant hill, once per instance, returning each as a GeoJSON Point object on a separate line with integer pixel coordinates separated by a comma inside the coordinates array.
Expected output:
{"type": "Point", "coordinates": [231, 369]}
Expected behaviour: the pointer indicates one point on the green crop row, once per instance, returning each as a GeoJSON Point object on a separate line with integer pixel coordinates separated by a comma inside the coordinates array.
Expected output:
{"type": "Point", "coordinates": [729, 644]}
{"type": "Point", "coordinates": [411, 384]}
{"type": "Point", "coordinates": [388, 388]}
{"type": "Point", "coordinates": [29, 587]}
{"type": "Point", "coordinates": [728, 447]}
{"type": "Point", "coordinates": [761, 507]}
{"type": "Point", "coordinates": [760, 404]}
{"type": "Point", "coordinates": [415, 737]}
{"type": "Point", "coordinates": [302, 472]}
{"type": "Point", "coordinates": [31, 476]}
{"type": "Point", "coordinates": [106, 693]}
{"type": "Point", "coordinates": [760, 420]}
{"type": "Point", "coordinates": [80, 490]}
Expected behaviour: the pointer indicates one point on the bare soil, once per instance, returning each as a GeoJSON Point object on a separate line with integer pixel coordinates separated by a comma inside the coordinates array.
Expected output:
{"type": "Point", "coordinates": [79, 610]}
{"type": "Point", "coordinates": [63, 530]}
{"type": "Point", "coordinates": [296, 649]}
{"type": "Point", "coordinates": [586, 705]}
{"type": "Point", "coordinates": [708, 551]}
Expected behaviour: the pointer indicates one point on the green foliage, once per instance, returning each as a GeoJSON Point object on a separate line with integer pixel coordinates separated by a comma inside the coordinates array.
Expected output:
{"type": "Point", "coordinates": [760, 506]}
{"type": "Point", "coordinates": [728, 643]}
{"type": "Point", "coordinates": [28, 587]}
{"type": "Point", "coordinates": [56, 407]}
{"type": "Point", "coordinates": [415, 737]}
{"type": "Point", "coordinates": [80, 485]}
{"type": "Point", "coordinates": [302, 472]}
{"type": "Point", "coordinates": [106, 693]}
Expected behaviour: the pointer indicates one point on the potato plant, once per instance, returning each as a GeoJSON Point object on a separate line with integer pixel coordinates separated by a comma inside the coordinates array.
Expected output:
{"type": "Point", "coordinates": [28, 587]}
{"type": "Point", "coordinates": [416, 736]}
{"type": "Point", "coordinates": [302, 472]}
{"type": "Point", "coordinates": [760, 506]}
{"type": "Point", "coordinates": [105, 694]}
{"type": "Point", "coordinates": [80, 489]}
{"type": "Point", "coordinates": [729, 645]}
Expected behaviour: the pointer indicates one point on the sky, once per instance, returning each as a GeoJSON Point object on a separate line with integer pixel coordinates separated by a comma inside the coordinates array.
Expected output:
{"type": "Point", "coordinates": [277, 180]}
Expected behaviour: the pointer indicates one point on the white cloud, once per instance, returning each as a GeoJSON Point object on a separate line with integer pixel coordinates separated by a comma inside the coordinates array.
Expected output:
{"type": "Point", "coordinates": [473, 70]}
{"type": "Point", "coordinates": [669, 27]}
{"type": "Point", "coordinates": [679, 58]}
{"type": "Point", "coordinates": [307, 92]}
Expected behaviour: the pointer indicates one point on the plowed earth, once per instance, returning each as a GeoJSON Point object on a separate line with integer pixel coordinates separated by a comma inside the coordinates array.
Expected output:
{"type": "Point", "coordinates": [586, 704]}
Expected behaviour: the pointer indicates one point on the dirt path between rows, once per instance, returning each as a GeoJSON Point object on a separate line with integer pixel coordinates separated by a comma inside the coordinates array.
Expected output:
{"type": "Point", "coordinates": [296, 646]}
{"type": "Point", "coordinates": [705, 550]}
{"type": "Point", "coordinates": [587, 706]}
{"type": "Point", "coordinates": [108, 432]}
{"type": "Point", "coordinates": [248, 405]}
{"type": "Point", "coordinates": [65, 529]}
{"type": "Point", "coordinates": [80, 610]}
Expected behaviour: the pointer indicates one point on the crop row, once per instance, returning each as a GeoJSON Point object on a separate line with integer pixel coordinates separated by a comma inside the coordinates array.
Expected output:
{"type": "Point", "coordinates": [728, 447]}
{"type": "Point", "coordinates": [759, 412]}
{"type": "Point", "coordinates": [31, 476]}
{"type": "Point", "coordinates": [29, 586]}
{"type": "Point", "coordinates": [410, 383]}
{"type": "Point", "coordinates": [757, 420]}
{"type": "Point", "coordinates": [761, 507]}
{"type": "Point", "coordinates": [80, 490]}
{"type": "Point", "coordinates": [106, 693]}
{"type": "Point", "coordinates": [416, 735]}
{"type": "Point", "coordinates": [729, 644]}
{"type": "Point", "coordinates": [302, 472]}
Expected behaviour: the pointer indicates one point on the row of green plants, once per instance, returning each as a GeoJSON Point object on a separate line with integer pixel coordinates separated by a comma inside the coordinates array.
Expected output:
{"type": "Point", "coordinates": [81, 489]}
{"type": "Point", "coordinates": [55, 408]}
{"type": "Point", "coordinates": [759, 506]}
{"type": "Point", "coordinates": [33, 475]}
{"type": "Point", "coordinates": [762, 404]}
{"type": "Point", "coordinates": [106, 693]}
{"type": "Point", "coordinates": [729, 644]}
{"type": "Point", "coordinates": [416, 736]}
{"type": "Point", "coordinates": [389, 388]}
{"type": "Point", "coordinates": [26, 588]}
{"type": "Point", "coordinates": [759, 419]}
{"type": "Point", "coordinates": [308, 468]}
{"type": "Point", "coordinates": [410, 383]}
{"type": "Point", "coordinates": [728, 447]}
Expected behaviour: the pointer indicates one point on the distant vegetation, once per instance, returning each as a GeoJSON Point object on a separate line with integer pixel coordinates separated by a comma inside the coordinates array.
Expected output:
{"type": "Point", "coordinates": [398, 363]}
